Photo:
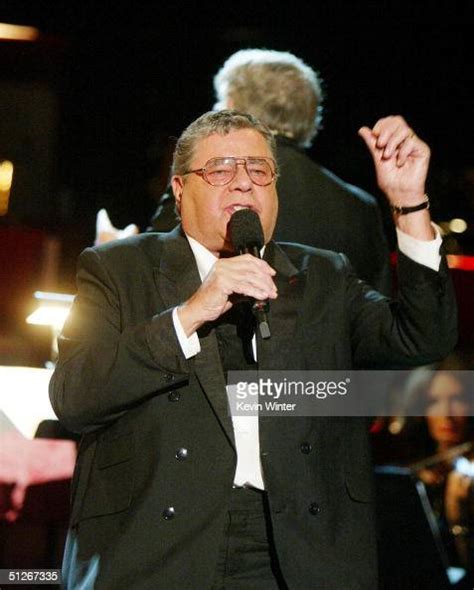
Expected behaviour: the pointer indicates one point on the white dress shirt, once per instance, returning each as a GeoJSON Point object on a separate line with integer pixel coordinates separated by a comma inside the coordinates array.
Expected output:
{"type": "Point", "coordinates": [249, 471]}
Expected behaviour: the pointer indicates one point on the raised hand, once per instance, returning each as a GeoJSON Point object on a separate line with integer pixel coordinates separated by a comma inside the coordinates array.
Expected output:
{"type": "Point", "coordinates": [401, 162]}
{"type": "Point", "coordinates": [401, 159]}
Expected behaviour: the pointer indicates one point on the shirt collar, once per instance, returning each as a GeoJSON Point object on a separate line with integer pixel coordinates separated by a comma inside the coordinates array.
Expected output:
{"type": "Point", "coordinates": [205, 259]}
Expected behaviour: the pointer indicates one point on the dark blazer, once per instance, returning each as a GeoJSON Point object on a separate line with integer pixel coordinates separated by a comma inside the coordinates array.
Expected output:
{"type": "Point", "coordinates": [144, 519]}
{"type": "Point", "coordinates": [319, 209]}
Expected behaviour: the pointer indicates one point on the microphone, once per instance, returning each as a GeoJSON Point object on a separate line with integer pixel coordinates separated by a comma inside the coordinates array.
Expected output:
{"type": "Point", "coordinates": [246, 234]}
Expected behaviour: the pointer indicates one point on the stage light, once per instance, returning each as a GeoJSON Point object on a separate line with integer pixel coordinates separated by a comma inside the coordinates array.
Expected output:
{"type": "Point", "coordinates": [48, 315]}
{"type": "Point", "coordinates": [457, 226]}
{"type": "Point", "coordinates": [6, 175]}
{"type": "Point", "coordinates": [6, 178]}
{"type": "Point", "coordinates": [18, 32]}
{"type": "Point", "coordinates": [52, 311]}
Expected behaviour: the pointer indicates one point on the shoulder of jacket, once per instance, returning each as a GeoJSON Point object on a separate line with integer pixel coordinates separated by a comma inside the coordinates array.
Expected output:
{"type": "Point", "coordinates": [304, 257]}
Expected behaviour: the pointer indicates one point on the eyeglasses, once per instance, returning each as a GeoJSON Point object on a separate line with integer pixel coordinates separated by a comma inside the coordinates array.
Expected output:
{"type": "Point", "coordinates": [221, 171]}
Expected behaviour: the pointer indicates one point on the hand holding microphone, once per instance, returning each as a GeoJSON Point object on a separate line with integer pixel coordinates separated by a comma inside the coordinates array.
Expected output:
{"type": "Point", "coordinates": [247, 237]}
{"type": "Point", "coordinates": [246, 275]}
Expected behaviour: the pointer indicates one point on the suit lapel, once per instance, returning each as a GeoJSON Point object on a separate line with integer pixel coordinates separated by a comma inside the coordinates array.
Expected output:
{"type": "Point", "coordinates": [176, 279]}
{"type": "Point", "coordinates": [177, 276]}
{"type": "Point", "coordinates": [275, 351]}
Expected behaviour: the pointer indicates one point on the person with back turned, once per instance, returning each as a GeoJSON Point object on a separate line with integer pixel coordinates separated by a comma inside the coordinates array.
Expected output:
{"type": "Point", "coordinates": [170, 490]}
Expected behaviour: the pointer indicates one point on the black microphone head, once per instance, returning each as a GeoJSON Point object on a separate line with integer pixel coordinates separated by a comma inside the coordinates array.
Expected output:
{"type": "Point", "coordinates": [246, 230]}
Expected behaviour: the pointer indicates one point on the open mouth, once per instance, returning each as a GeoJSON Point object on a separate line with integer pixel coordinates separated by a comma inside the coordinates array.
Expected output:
{"type": "Point", "coordinates": [233, 208]}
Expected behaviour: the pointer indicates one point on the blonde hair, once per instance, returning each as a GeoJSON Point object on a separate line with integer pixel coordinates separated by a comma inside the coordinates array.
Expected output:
{"type": "Point", "coordinates": [276, 87]}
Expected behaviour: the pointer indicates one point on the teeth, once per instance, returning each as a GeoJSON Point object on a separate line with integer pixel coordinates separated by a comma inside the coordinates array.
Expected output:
{"type": "Point", "coordinates": [240, 207]}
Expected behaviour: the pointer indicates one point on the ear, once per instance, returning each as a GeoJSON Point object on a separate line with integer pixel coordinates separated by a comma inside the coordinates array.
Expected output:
{"type": "Point", "coordinates": [177, 184]}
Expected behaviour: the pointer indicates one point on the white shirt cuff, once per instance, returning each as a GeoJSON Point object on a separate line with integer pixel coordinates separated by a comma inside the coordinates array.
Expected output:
{"type": "Point", "coordinates": [190, 346]}
{"type": "Point", "coordinates": [424, 252]}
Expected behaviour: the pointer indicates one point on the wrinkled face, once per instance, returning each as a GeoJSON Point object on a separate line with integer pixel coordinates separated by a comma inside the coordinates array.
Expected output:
{"type": "Point", "coordinates": [205, 210]}
{"type": "Point", "coordinates": [446, 396]}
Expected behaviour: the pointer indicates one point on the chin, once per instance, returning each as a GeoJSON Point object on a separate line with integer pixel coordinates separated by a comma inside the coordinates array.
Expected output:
{"type": "Point", "coordinates": [449, 439]}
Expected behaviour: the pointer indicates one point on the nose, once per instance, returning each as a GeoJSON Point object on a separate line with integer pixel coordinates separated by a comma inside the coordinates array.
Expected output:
{"type": "Point", "coordinates": [241, 180]}
{"type": "Point", "coordinates": [445, 408]}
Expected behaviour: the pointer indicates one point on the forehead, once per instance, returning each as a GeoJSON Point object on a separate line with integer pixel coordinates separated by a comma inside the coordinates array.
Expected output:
{"type": "Point", "coordinates": [445, 385]}
{"type": "Point", "coordinates": [241, 142]}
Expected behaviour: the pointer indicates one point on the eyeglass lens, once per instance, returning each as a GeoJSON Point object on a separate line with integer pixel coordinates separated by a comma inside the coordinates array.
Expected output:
{"type": "Point", "coordinates": [220, 171]}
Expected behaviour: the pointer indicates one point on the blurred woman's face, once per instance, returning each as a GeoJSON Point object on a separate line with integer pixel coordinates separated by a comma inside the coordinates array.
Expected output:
{"type": "Point", "coordinates": [446, 414]}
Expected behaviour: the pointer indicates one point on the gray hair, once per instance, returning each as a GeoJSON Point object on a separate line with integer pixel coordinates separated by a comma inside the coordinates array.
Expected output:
{"type": "Point", "coordinates": [220, 122]}
{"type": "Point", "coordinates": [276, 87]}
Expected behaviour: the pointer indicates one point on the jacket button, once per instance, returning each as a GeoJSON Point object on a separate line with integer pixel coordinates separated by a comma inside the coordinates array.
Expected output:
{"type": "Point", "coordinates": [174, 396]}
{"type": "Point", "coordinates": [168, 513]}
{"type": "Point", "coordinates": [182, 454]}
{"type": "Point", "coordinates": [169, 377]}
{"type": "Point", "coordinates": [314, 508]}
{"type": "Point", "coordinates": [306, 448]}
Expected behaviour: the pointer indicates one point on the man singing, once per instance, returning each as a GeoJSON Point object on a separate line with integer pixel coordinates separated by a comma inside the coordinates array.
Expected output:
{"type": "Point", "coordinates": [170, 491]}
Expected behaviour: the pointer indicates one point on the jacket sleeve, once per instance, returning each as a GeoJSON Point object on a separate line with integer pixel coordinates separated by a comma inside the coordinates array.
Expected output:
{"type": "Point", "coordinates": [379, 269]}
{"type": "Point", "coordinates": [417, 328]}
{"type": "Point", "coordinates": [104, 368]}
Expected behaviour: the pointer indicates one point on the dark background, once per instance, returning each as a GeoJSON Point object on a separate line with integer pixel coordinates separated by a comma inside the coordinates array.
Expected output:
{"type": "Point", "coordinates": [91, 109]}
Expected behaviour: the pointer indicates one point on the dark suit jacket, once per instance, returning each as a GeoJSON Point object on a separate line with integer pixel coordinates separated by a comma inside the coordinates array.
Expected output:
{"type": "Point", "coordinates": [319, 209]}
{"type": "Point", "coordinates": [123, 382]}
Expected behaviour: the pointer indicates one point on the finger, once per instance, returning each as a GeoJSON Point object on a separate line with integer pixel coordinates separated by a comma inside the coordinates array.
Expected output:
{"type": "Point", "coordinates": [245, 282]}
{"type": "Point", "coordinates": [395, 140]}
{"type": "Point", "coordinates": [251, 280]}
{"type": "Point", "coordinates": [18, 495]}
{"type": "Point", "coordinates": [391, 133]}
{"type": "Point", "coordinates": [385, 123]}
{"type": "Point", "coordinates": [243, 263]}
{"type": "Point", "coordinates": [248, 259]}
{"type": "Point", "coordinates": [246, 270]}
{"type": "Point", "coordinates": [255, 291]}
{"type": "Point", "coordinates": [251, 277]}
{"type": "Point", "coordinates": [370, 140]}
{"type": "Point", "coordinates": [408, 147]}
{"type": "Point", "coordinates": [103, 221]}
{"type": "Point", "coordinates": [130, 230]}
{"type": "Point", "coordinates": [386, 127]}
{"type": "Point", "coordinates": [227, 306]}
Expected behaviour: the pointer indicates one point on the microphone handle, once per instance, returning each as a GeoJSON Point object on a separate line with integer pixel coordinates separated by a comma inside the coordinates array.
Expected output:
{"type": "Point", "coordinates": [259, 308]}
